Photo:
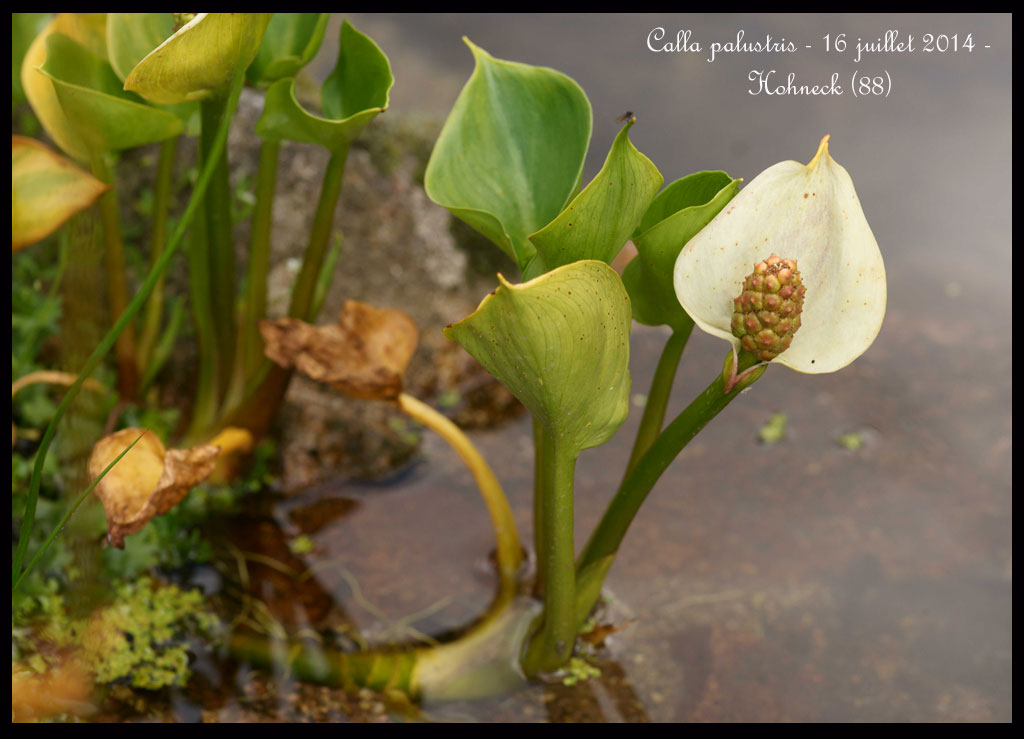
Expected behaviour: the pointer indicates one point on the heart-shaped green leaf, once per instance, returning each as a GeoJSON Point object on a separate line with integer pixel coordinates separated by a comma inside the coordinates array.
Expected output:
{"type": "Point", "coordinates": [560, 343]}
{"type": "Point", "coordinates": [46, 190]}
{"type": "Point", "coordinates": [105, 117]}
{"type": "Point", "coordinates": [290, 43]}
{"type": "Point", "coordinates": [354, 93]}
{"type": "Point", "coordinates": [510, 155]}
{"type": "Point", "coordinates": [598, 221]}
{"type": "Point", "coordinates": [200, 59]}
{"type": "Point", "coordinates": [673, 218]}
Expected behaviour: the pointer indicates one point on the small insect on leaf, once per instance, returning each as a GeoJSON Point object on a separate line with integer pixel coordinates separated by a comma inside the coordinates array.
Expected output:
{"type": "Point", "coordinates": [624, 117]}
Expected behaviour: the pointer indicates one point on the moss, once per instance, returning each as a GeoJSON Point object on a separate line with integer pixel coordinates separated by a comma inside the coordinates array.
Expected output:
{"type": "Point", "coordinates": [140, 638]}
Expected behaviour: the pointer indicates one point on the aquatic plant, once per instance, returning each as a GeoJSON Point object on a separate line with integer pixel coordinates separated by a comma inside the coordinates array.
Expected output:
{"type": "Point", "coordinates": [786, 270]}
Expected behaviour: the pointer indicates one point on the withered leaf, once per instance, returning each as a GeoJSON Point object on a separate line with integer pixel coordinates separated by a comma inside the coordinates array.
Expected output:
{"type": "Point", "coordinates": [365, 355]}
{"type": "Point", "coordinates": [148, 481]}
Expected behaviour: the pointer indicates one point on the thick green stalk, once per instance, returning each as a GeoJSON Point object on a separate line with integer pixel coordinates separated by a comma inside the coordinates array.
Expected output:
{"type": "Point", "coordinates": [207, 397]}
{"type": "Point", "coordinates": [249, 352]}
{"type": "Point", "coordinates": [259, 254]}
{"type": "Point", "coordinates": [657, 398]}
{"type": "Point", "coordinates": [607, 537]}
{"type": "Point", "coordinates": [101, 350]}
{"type": "Point", "coordinates": [220, 244]}
{"type": "Point", "coordinates": [551, 647]}
{"type": "Point", "coordinates": [319, 238]}
{"type": "Point", "coordinates": [117, 288]}
{"type": "Point", "coordinates": [158, 239]}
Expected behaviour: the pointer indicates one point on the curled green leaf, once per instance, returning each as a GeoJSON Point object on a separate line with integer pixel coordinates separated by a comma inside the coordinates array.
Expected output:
{"type": "Point", "coordinates": [598, 221]}
{"type": "Point", "coordinates": [106, 118]}
{"type": "Point", "coordinates": [353, 95]}
{"type": "Point", "coordinates": [560, 343]}
{"type": "Point", "coordinates": [290, 43]}
{"type": "Point", "coordinates": [673, 218]}
{"type": "Point", "coordinates": [200, 59]}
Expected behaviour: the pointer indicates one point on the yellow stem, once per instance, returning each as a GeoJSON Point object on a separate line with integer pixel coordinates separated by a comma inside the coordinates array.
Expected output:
{"type": "Point", "coordinates": [509, 550]}
{"type": "Point", "coordinates": [52, 377]}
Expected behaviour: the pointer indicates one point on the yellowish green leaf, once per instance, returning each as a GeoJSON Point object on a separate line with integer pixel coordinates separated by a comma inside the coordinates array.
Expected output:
{"type": "Point", "coordinates": [46, 190]}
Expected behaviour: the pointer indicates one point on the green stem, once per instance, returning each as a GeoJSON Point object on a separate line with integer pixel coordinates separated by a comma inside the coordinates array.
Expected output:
{"type": "Point", "coordinates": [158, 239]}
{"type": "Point", "coordinates": [249, 352]}
{"type": "Point", "coordinates": [657, 397]}
{"type": "Point", "coordinates": [607, 537]}
{"type": "Point", "coordinates": [101, 350]}
{"type": "Point", "coordinates": [305, 284]}
{"type": "Point", "coordinates": [538, 518]}
{"type": "Point", "coordinates": [117, 289]}
{"type": "Point", "coordinates": [221, 243]}
{"type": "Point", "coordinates": [551, 647]}
{"type": "Point", "coordinates": [204, 409]}
{"type": "Point", "coordinates": [259, 251]}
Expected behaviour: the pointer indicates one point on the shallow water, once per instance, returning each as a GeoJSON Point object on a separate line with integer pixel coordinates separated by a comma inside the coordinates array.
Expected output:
{"type": "Point", "coordinates": [792, 581]}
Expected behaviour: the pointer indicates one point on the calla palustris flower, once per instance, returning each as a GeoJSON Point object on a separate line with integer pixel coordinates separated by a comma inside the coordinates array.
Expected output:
{"type": "Point", "coordinates": [808, 214]}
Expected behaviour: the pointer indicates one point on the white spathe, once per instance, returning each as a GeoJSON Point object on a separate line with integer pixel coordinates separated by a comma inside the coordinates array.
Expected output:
{"type": "Point", "coordinates": [808, 213]}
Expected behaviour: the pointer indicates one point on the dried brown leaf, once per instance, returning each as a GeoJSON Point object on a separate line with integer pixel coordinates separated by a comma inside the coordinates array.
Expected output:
{"type": "Point", "coordinates": [365, 355]}
{"type": "Point", "coordinates": [148, 481]}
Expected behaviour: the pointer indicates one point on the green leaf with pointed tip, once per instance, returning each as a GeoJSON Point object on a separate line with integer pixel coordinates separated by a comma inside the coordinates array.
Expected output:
{"type": "Point", "coordinates": [355, 92]}
{"type": "Point", "coordinates": [105, 116]}
{"type": "Point", "coordinates": [510, 156]}
{"type": "Point", "coordinates": [560, 343]}
{"type": "Point", "coordinates": [598, 221]}
{"type": "Point", "coordinates": [200, 59]}
{"type": "Point", "coordinates": [673, 218]}
{"type": "Point", "coordinates": [290, 43]}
